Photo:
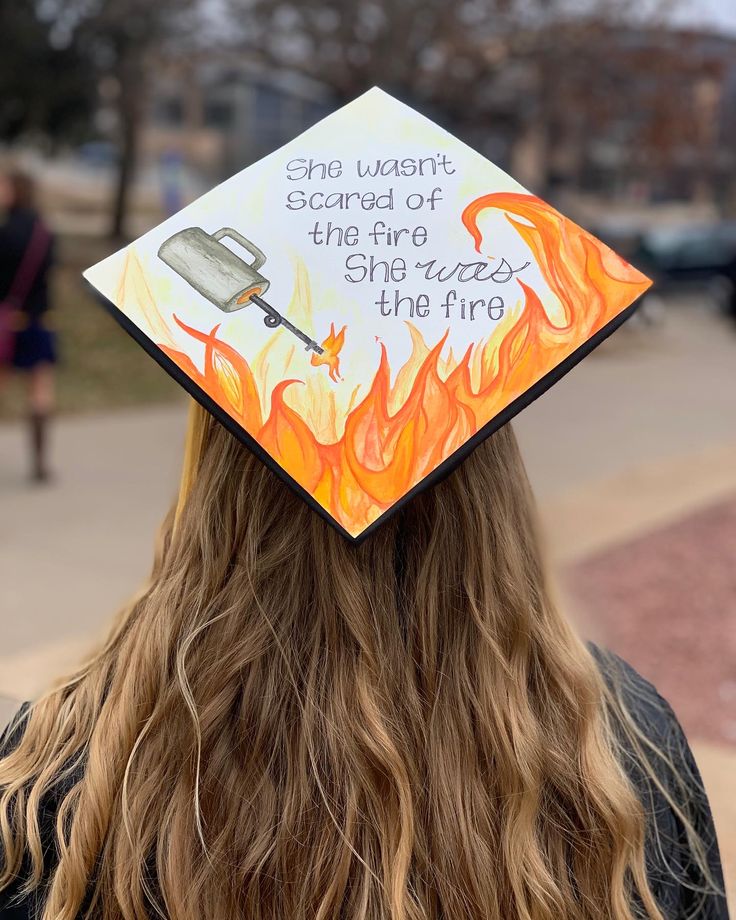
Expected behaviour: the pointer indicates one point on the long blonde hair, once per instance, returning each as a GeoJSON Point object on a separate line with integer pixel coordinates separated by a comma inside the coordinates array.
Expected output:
{"type": "Point", "coordinates": [283, 725]}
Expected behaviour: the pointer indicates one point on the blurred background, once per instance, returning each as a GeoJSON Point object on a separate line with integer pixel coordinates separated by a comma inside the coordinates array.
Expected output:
{"type": "Point", "coordinates": [623, 114]}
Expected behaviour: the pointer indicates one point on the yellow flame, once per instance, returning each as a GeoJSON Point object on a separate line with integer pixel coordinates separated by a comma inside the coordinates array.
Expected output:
{"type": "Point", "coordinates": [332, 346]}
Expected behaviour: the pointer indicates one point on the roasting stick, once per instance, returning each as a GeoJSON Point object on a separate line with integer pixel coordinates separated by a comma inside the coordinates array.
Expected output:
{"type": "Point", "coordinates": [273, 319]}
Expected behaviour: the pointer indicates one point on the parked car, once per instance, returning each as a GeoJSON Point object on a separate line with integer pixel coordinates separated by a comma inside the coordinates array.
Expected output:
{"type": "Point", "coordinates": [701, 256]}
{"type": "Point", "coordinates": [698, 259]}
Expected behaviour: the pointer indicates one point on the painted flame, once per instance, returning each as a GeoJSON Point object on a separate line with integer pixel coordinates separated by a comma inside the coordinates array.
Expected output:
{"type": "Point", "coordinates": [358, 465]}
{"type": "Point", "coordinates": [332, 346]}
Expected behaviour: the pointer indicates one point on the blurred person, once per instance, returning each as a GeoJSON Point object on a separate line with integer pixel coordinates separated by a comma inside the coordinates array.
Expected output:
{"type": "Point", "coordinates": [171, 169]}
{"type": "Point", "coordinates": [286, 725]}
{"type": "Point", "coordinates": [26, 343]}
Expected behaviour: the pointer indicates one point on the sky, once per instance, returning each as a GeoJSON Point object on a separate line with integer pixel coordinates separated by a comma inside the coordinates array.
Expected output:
{"type": "Point", "coordinates": [720, 14]}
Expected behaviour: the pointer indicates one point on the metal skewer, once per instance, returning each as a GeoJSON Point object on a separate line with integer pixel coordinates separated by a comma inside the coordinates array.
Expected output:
{"type": "Point", "coordinates": [273, 318]}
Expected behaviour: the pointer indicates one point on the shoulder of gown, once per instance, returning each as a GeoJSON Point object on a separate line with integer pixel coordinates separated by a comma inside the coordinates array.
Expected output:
{"type": "Point", "coordinates": [678, 882]}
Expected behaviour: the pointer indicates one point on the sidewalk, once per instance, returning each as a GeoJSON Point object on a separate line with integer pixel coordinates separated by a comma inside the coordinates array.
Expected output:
{"type": "Point", "coordinates": [73, 551]}
{"type": "Point", "coordinates": [666, 602]}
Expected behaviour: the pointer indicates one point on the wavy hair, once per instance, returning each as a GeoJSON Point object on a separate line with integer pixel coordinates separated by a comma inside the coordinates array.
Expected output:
{"type": "Point", "coordinates": [284, 725]}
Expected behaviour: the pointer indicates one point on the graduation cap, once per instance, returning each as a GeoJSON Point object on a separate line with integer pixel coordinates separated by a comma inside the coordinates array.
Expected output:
{"type": "Point", "coordinates": [364, 306]}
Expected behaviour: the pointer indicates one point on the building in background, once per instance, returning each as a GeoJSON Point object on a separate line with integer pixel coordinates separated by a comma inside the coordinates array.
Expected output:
{"type": "Point", "coordinates": [222, 115]}
{"type": "Point", "coordinates": [678, 142]}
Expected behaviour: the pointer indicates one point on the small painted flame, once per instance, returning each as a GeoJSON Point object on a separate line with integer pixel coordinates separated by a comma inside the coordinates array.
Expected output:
{"type": "Point", "coordinates": [332, 346]}
{"type": "Point", "coordinates": [359, 460]}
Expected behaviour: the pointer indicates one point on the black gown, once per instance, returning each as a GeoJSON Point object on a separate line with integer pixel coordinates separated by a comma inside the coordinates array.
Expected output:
{"type": "Point", "coordinates": [675, 880]}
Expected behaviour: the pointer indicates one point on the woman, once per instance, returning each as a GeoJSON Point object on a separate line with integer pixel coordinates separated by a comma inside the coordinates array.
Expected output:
{"type": "Point", "coordinates": [26, 343]}
{"type": "Point", "coordinates": [284, 725]}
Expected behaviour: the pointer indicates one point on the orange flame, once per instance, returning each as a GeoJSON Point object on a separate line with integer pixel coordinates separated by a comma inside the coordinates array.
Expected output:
{"type": "Point", "coordinates": [396, 435]}
{"type": "Point", "coordinates": [226, 377]}
{"type": "Point", "coordinates": [332, 346]}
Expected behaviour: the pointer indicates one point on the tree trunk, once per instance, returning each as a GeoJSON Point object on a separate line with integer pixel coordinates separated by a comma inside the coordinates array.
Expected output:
{"type": "Point", "coordinates": [130, 113]}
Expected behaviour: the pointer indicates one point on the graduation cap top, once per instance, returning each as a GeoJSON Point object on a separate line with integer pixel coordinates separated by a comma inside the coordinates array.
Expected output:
{"type": "Point", "coordinates": [365, 305]}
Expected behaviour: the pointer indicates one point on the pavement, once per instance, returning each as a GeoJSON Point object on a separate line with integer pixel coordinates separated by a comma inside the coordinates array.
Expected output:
{"type": "Point", "coordinates": [632, 457]}
{"type": "Point", "coordinates": [665, 600]}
